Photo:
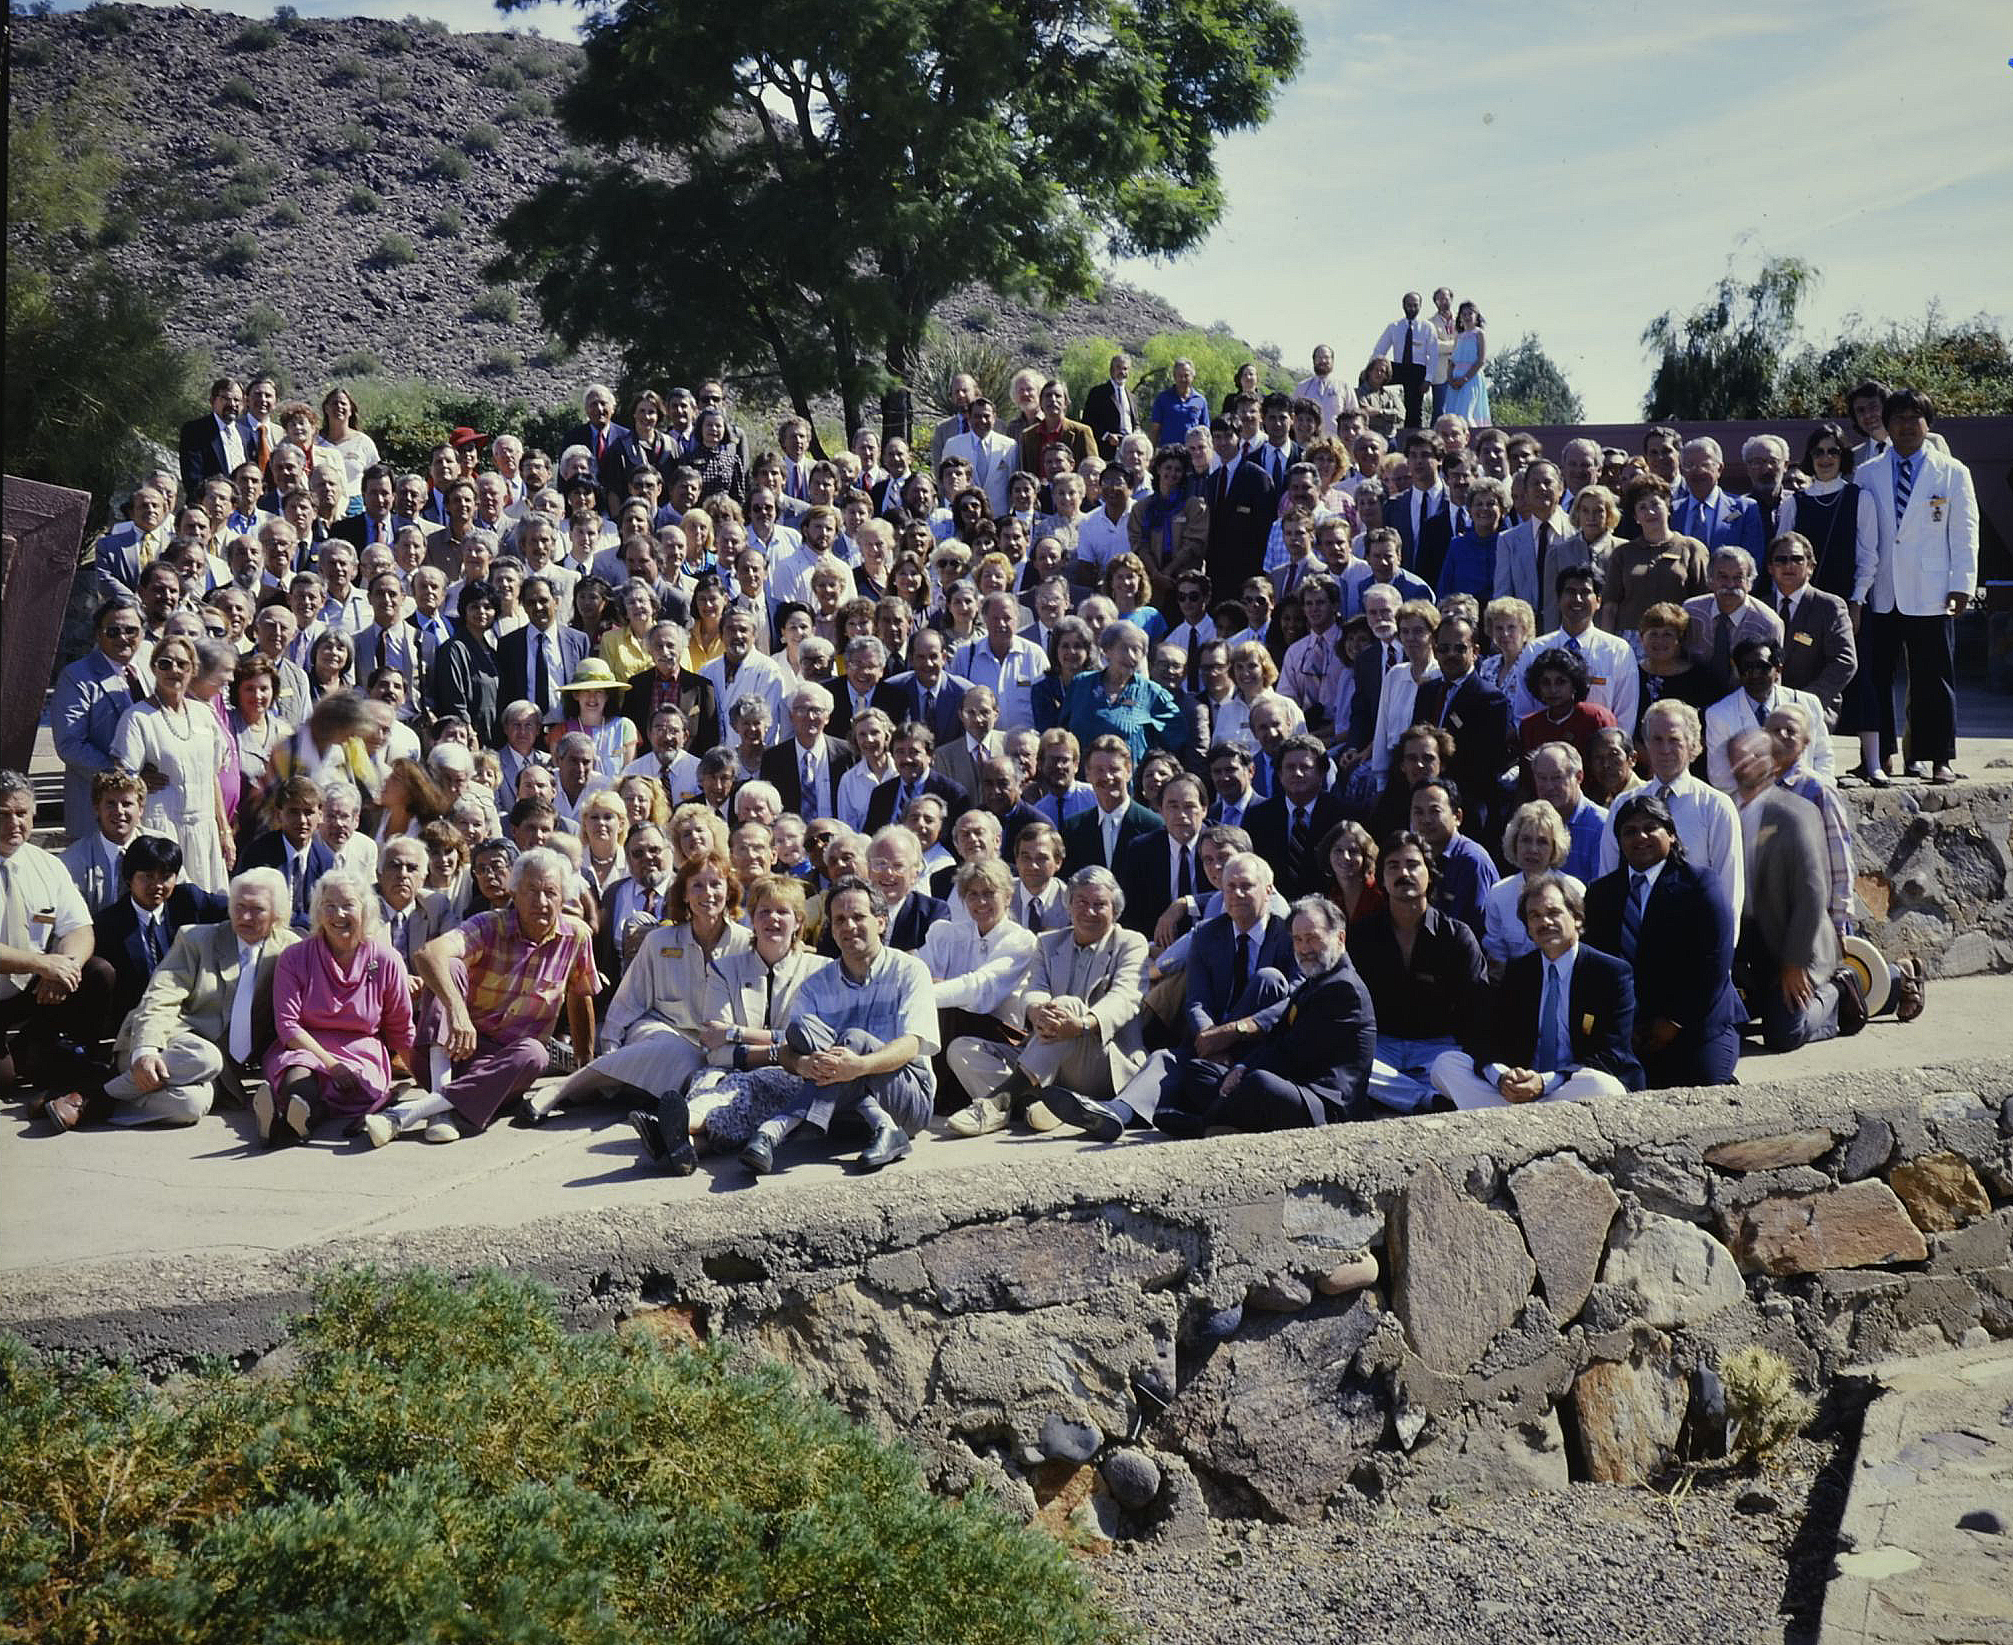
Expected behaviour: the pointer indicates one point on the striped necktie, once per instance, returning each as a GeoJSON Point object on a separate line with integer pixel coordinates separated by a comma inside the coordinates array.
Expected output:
{"type": "Point", "coordinates": [1632, 916]}
{"type": "Point", "coordinates": [1904, 482]}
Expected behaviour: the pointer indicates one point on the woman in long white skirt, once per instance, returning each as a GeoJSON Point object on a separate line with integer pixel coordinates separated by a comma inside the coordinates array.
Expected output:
{"type": "Point", "coordinates": [175, 744]}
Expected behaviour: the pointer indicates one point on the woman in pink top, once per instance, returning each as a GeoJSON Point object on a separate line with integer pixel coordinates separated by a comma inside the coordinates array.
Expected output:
{"type": "Point", "coordinates": [341, 1007]}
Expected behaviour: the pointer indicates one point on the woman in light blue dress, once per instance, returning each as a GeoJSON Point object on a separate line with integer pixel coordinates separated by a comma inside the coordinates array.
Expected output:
{"type": "Point", "coordinates": [1467, 388]}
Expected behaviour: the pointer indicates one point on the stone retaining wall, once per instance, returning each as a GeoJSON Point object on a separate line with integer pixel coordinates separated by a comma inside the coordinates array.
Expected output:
{"type": "Point", "coordinates": [1140, 1335]}
{"type": "Point", "coordinates": [1933, 866]}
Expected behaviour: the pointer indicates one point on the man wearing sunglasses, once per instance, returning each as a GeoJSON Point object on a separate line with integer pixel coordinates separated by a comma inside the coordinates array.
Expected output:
{"type": "Point", "coordinates": [91, 695]}
{"type": "Point", "coordinates": [1818, 652]}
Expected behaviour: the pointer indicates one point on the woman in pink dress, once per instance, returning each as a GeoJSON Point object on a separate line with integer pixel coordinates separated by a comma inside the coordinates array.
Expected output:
{"type": "Point", "coordinates": [341, 1007]}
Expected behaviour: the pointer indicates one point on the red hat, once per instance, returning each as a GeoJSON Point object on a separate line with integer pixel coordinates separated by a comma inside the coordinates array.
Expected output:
{"type": "Point", "coordinates": [466, 436]}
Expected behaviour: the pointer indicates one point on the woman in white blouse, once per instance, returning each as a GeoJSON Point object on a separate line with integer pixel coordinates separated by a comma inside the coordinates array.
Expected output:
{"type": "Point", "coordinates": [175, 744]}
{"type": "Point", "coordinates": [979, 963]}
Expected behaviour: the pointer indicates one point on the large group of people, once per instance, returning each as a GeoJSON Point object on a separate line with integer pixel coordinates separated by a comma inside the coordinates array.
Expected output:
{"type": "Point", "coordinates": [1308, 757]}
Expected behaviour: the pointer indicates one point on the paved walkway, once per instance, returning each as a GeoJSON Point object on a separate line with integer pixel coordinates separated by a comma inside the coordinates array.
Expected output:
{"type": "Point", "coordinates": [115, 1192]}
{"type": "Point", "coordinates": [1926, 1545]}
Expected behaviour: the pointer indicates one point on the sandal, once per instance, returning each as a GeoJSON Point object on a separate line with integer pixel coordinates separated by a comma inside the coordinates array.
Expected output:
{"type": "Point", "coordinates": [1911, 988]}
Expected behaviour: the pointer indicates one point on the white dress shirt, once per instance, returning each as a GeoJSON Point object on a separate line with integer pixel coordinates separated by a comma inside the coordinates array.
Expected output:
{"type": "Point", "coordinates": [1707, 824]}
{"type": "Point", "coordinates": [1011, 678]}
{"type": "Point", "coordinates": [982, 974]}
{"type": "Point", "coordinates": [1611, 673]}
{"type": "Point", "coordinates": [1100, 539]}
{"type": "Point", "coordinates": [1425, 343]}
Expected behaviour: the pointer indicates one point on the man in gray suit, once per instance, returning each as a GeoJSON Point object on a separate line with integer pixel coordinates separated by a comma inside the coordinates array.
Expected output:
{"type": "Point", "coordinates": [92, 859]}
{"type": "Point", "coordinates": [1787, 958]}
{"type": "Point", "coordinates": [413, 916]}
{"type": "Point", "coordinates": [207, 1013]}
{"type": "Point", "coordinates": [962, 758]}
{"type": "Point", "coordinates": [1819, 654]}
{"type": "Point", "coordinates": [1082, 999]}
{"type": "Point", "coordinates": [1520, 551]}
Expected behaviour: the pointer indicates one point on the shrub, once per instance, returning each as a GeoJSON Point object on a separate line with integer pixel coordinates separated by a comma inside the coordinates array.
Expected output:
{"type": "Point", "coordinates": [288, 215]}
{"type": "Point", "coordinates": [434, 26]}
{"type": "Point", "coordinates": [394, 251]}
{"type": "Point", "coordinates": [552, 352]}
{"type": "Point", "coordinates": [361, 202]}
{"type": "Point", "coordinates": [362, 363]}
{"type": "Point", "coordinates": [481, 138]}
{"type": "Point", "coordinates": [395, 39]}
{"type": "Point", "coordinates": [1763, 1407]}
{"type": "Point", "coordinates": [499, 303]}
{"type": "Point", "coordinates": [503, 77]}
{"type": "Point", "coordinates": [452, 1464]}
{"type": "Point", "coordinates": [945, 356]}
{"type": "Point", "coordinates": [536, 65]}
{"type": "Point", "coordinates": [503, 362]}
{"type": "Point", "coordinates": [449, 164]}
{"type": "Point", "coordinates": [236, 198]}
{"type": "Point", "coordinates": [257, 35]}
{"type": "Point", "coordinates": [120, 228]}
{"type": "Point", "coordinates": [354, 138]}
{"type": "Point", "coordinates": [1040, 343]}
{"type": "Point", "coordinates": [318, 175]}
{"type": "Point", "coordinates": [226, 150]}
{"type": "Point", "coordinates": [238, 92]}
{"type": "Point", "coordinates": [448, 224]}
{"type": "Point", "coordinates": [106, 22]}
{"type": "Point", "coordinates": [262, 323]}
{"type": "Point", "coordinates": [393, 88]}
{"type": "Point", "coordinates": [981, 318]}
{"type": "Point", "coordinates": [348, 70]}
{"type": "Point", "coordinates": [526, 105]}
{"type": "Point", "coordinates": [235, 255]}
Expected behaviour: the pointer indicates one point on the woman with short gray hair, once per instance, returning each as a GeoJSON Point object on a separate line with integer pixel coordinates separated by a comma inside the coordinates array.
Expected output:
{"type": "Point", "coordinates": [1121, 701]}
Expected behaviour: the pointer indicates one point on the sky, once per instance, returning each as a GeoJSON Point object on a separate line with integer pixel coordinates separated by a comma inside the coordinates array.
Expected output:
{"type": "Point", "coordinates": [1578, 169]}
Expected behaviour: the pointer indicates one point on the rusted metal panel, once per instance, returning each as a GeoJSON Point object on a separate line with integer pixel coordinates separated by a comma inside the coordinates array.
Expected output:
{"type": "Point", "coordinates": [38, 563]}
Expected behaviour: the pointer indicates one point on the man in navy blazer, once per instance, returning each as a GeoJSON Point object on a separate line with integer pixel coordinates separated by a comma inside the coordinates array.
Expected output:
{"type": "Point", "coordinates": [913, 777]}
{"type": "Point", "coordinates": [213, 443]}
{"type": "Point", "coordinates": [1101, 408]}
{"type": "Point", "coordinates": [1423, 516]}
{"type": "Point", "coordinates": [1715, 517]}
{"type": "Point", "coordinates": [1679, 939]}
{"type": "Point", "coordinates": [1243, 503]}
{"type": "Point", "coordinates": [153, 898]}
{"type": "Point", "coordinates": [927, 692]}
{"type": "Point", "coordinates": [601, 434]}
{"type": "Point", "coordinates": [1115, 820]}
{"type": "Point", "coordinates": [783, 765]}
{"type": "Point", "coordinates": [517, 654]}
{"type": "Point", "coordinates": [295, 846]}
{"type": "Point", "coordinates": [1586, 1049]}
{"type": "Point", "coordinates": [1302, 806]}
{"type": "Point", "coordinates": [1478, 718]}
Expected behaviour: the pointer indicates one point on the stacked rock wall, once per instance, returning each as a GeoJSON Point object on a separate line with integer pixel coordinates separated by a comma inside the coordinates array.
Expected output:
{"type": "Point", "coordinates": [1933, 866]}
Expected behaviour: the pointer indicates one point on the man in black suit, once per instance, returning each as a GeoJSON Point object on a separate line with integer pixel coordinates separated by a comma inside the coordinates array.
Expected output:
{"type": "Point", "coordinates": [133, 934]}
{"type": "Point", "coordinates": [1423, 516]}
{"type": "Point", "coordinates": [215, 442]}
{"type": "Point", "coordinates": [1673, 926]}
{"type": "Point", "coordinates": [1477, 716]}
{"type": "Point", "coordinates": [913, 751]}
{"type": "Point", "coordinates": [1098, 837]}
{"type": "Point", "coordinates": [1303, 1059]}
{"type": "Point", "coordinates": [1154, 869]}
{"type": "Point", "coordinates": [670, 685]}
{"type": "Point", "coordinates": [1287, 829]}
{"type": "Point", "coordinates": [380, 521]}
{"type": "Point", "coordinates": [894, 866]}
{"type": "Point", "coordinates": [601, 434]}
{"type": "Point", "coordinates": [540, 657]}
{"type": "Point", "coordinates": [1819, 654]}
{"type": "Point", "coordinates": [808, 752]}
{"type": "Point", "coordinates": [1109, 410]}
{"type": "Point", "coordinates": [1563, 1026]}
{"type": "Point", "coordinates": [295, 846]}
{"type": "Point", "coordinates": [1242, 505]}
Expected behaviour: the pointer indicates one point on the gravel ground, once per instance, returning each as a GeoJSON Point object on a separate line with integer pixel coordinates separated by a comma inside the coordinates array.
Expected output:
{"type": "Point", "coordinates": [1595, 1563]}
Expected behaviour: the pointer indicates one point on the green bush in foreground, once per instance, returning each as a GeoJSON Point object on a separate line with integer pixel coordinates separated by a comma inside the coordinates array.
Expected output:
{"type": "Point", "coordinates": [452, 1465]}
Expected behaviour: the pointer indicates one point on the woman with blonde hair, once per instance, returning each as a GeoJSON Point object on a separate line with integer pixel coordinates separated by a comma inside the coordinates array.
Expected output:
{"type": "Point", "coordinates": [696, 829]}
{"type": "Point", "coordinates": [604, 826]}
{"type": "Point", "coordinates": [644, 799]}
{"type": "Point", "coordinates": [1535, 842]}
{"type": "Point", "coordinates": [1253, 674]}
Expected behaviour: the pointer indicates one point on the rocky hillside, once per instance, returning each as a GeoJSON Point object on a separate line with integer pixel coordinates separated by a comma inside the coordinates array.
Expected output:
{"type": "Point", "coordinates": [324, 192]}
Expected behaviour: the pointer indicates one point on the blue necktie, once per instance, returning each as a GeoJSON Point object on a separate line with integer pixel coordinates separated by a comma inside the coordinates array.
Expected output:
{"type": "Point", "coordinates": [1632, 916]}
{"type": "Point", "coordinates": [1551, 1033]}
{"type": "Point", "coordinates": [1904, 482]}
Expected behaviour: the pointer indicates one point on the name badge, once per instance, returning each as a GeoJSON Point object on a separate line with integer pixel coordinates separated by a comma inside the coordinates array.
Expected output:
{"type": "Point", "coordinates": [1803, 639]}
{"type": "Point", "coordinates": [1586, 1022]}
{"type": "Point", "coordinates": [674, 952]}
{"type": "Point", "coordinates": [1936, 506]}
{"type": "Point", "coordinates": [1597, 679]}
{"type": "Point", "coordinates": [46, 916]}
{"type": "Point", "coordinates": [1455, 721]}
{"type": "Point", "coordinates": [1244, 508]}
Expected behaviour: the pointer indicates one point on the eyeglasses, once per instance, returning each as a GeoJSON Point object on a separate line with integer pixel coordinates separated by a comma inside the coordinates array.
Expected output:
{"type": "Point", "coordinates": [1788, 559]}
{"type": "Point", "coordinates": [122, 632]}
{"type": "Point", "coordinates": [1826, 451]}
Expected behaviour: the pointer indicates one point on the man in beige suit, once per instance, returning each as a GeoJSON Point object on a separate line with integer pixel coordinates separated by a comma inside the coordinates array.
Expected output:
{"type": "Point", "coordinates": [207, 1013]}
{"type": "Point", "coordinates": [960, 760]}
{"type": "Point", "coordinates": [1082, 1001]}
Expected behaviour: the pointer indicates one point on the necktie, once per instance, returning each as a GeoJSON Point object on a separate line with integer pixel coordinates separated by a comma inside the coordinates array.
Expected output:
{"type": "Point", "coordinates": [1787, 605]}
{"type": "Point", "coordinates": [1390, 654]}
{"type": "Point", "coordinates": [1111, 819]}
{"type": "Point", "coordinates": [1242, 974]}
{"type": "Point", "coordinates": [1185, 878]}
{"type": "Point", "coordinates": [1722, 642]}
{"type": "Point", "coordinates": [399, 921]}
{"type": "Point", "coordinates": [1550, 1039]}
{"type": "Point", "coordinates": [769, 999]}
{"type": "Point", "coordinates": [1664, 792]}
{"type": "Point", "coordinates": [1544, 542]}
{"type": "Point", "coordinates": [133, 684]}
{"type": "Point", "coordinates": [930, 709]}
{"type": "Point", "coordinates": [265, 448]}
{"type": "Point", "coordinates": [1573, 644]}
{"type": "Point", "coordinates": [155, 946]}
{"type": "Point", "coordinates": [1034, 914]}
{"type": "Point", "coordinates": [377, 660]}
{"type": "Point", "coordinates": [1405, 359]}
{"type": "Point", "coordinates": [600, 444]}
{"type": "Point", "coordinates": [1761, 713]}
{"type": "Point", "coordinates": [1904, 482]}
{"type": "Point", "coordinates": [301, 883]}
{"type": "Point", "coordinates": [807, 796]}
{"type": "Point", "coordinates": [1632, 915]}
{"type": "Point", "coordinates": [541, 691]}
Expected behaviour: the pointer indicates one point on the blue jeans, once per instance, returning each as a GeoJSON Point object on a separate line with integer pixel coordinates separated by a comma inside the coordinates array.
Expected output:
{"type": "Point", "coordinates": [1398, 1076]}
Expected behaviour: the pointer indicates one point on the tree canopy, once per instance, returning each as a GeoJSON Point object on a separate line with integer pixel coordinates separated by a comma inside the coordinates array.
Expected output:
{"type": "Point", "coordinates": [1525, 386]}
{"type": "Point", "coordinates": [1965, 366]}
{"type": "Point", "coordinates": [1721, 361]}
{"type": "Point", "coordinates": [786, 192]}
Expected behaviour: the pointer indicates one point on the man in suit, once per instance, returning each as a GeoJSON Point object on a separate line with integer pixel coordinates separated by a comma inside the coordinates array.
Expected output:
{"type": "Point", "coordinates": [1928, 516]}
{"type": "Point", "coordinates": [1098, 837]}
{"type": "Point", "coordinates": [1758, 666]}
{"type": "Point", "coordinates": [895, 869]}
{"type": "Point", "coordinates": [1672, 926]}
{"type": "Point", "coordinates": [1109, 410]}
{"type": "Point", "coordinates": [1726, 614]}
{"type": "Point", "coordinates": [601, 434]}
{"type": "Point", "coordinates": [991, 456]}
{"type": "Point", "coordinates": [91, 697]}
{"type": "Point", "coordinates": [1787, 960]}
{"type": "Point", "coordinates": [999, 790]}
{"type": "Point", "coordinates": [1155, 869]}
{"type": "Point", "coordinates": [1477, 716]}
{"type": "Point", "coordinates": [1230, 784]}
{"type": "Point", "coordinates": [1302, 1059]}
{"type": "Point", "coordinates": [669, 684]}
{"type": "Point", "coordinates": [215, 443]}
{"type": "Point", "coordinates": [964, 390]}
{"type": "Point", "coordinates": [1564, 1020]}
{"type": "Point", "coordinates": [205, 1016]}
{"type": "Point", "coordinates": [413, 916]}
{"type": "Point", "coordinates": [389, 641]}
{"type": "Point", "coordinates": [1714, 517]}
{"type": "Point", "coordinates": [1423, 516]}
{"type": "Point", "coordinates": [379, 522]}
{"type": "Point", "coordinates": [1082, 999]}
{"type": "Point", "coordinates": [1820, 655]}
{"type": "Point", "coordinates": [913, 747]}
{"type": "Point", "coordinates": [1287, 829]}
{"type": "Point", "coordinates": [928, 692]}
{"type": "Point", "coordinates": [1521, 550]}
{"type": "Point", "coordinates": [540, 657]}
{"type": "Point", "coordinates": [132, 934]}
{"type": "Point", "coordinates": [960, 758]}
{"type": "Point", "coordinates": [1242, 505]}
{"type": "Point", "coordinates": [294, 846]}
{"type": "Point", "coordinates": [126, 550]}
{"type": "Point", "coordinates": [807, 767]}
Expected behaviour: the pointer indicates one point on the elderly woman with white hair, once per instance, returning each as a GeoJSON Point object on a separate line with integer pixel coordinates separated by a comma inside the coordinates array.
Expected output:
{"type": "Point", "coordinates": [342, 1008]}
{"type": "Point", "coordinates": [1120, 700]}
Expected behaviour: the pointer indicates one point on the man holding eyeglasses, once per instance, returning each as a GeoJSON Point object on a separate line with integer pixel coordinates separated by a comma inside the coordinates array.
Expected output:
{"type": "Point", "coordinates": [1818, 652]}
{"type": "Point", "coordinates": [91, 696]}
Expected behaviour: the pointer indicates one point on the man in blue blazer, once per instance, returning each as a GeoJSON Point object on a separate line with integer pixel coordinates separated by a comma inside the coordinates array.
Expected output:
{"type": "Point", "coordinates": [914, 776]}
{"type": "Point", "coordinates": [91, 697]}
{"type": "Point", "coordinates": [1671, 923]}
{"type": "Point", "coordinates": [295, 846]}
{"type": "Point", "coordinates": [1423, 516]}
{"type": "Point", "coordinates": [133, 935]}
{"type": "Point", "coordinates": [1563, 1027]}
{"type": "Point", "coordinates": [1098, 837]}
{"type": "Point", "coordinates": [519, 675]}
{"type": "Point", "coordinates": [1715, 517]}
{"type": "Point", "coordinates": [927, 692]}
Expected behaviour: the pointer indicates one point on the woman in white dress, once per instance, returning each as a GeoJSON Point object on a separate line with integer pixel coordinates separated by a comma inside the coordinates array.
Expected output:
{"type": "Point", "coordinates": [175, 744]}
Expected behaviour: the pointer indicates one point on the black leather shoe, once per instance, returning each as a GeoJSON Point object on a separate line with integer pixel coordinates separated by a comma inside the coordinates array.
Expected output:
{"type": "Point", "coordinates": [1177, 1122]}
{"type": "Point", "coordinates": [759, 1155]}
{"type": "Point", "coordinates": [890, 1144]}
{"type": "Point", "coordinates": [1100, 1119]}
{"type": "Point", "coordinates": [682, 1160]}
{"type": "Point", "coordinates": [652, 1134]}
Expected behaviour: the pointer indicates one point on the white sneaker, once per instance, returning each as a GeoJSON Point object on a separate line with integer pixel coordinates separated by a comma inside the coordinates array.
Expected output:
{"type": "Point", "coordinates": [1041, 1117]}
{"type": "Point", "coordinates": [441, 1131]}
{"type": "Point", "coordinates": [379, 1128]}
{"type": "Point", "coordinates": [980, 1119]}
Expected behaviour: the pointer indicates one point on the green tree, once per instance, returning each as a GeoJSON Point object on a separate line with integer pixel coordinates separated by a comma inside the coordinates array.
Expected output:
{"type": "Point", "coordinates": [452, 1465]}
{"type": "Point", "coordinates": [1966, 367]}
{"type": "Point", "coordinates": [788, 191]}
{"type": "Point", "coordinates": [1526, 387]}
{"type": "Point", "coordinates": [1722, 360]}
{"type": "Point", "coordinates": [90, 372]}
